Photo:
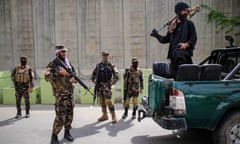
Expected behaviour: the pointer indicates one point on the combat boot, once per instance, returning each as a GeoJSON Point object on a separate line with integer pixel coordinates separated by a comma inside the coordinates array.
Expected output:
{"type": "Point", "coordinates": [114, 118]}
{"type": "Point", "coordinates": [27, 114]}
{"type": "Point", "coordinates": [104, 116]}
{"type": "Point", "coordinates": [112, 111]}
{"type": "Point", "coordinates": [18, 115]}
{"type": "Point", "coordinates": [134, 113]}
{"type": "Point", "coordinates": [54, 139]}
{"type": "Point", "coordinates": [68, 136]}
{"type": "Point", "coordinates": [125, 113]}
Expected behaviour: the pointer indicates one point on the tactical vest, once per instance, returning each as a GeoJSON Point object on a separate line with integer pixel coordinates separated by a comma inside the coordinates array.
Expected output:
{"type": "Point", "coordinates": [104, 72]}
{"type": "Point", "coordinates": [134, 76]}
{"type": "Point", "coordinates": [22, 75]}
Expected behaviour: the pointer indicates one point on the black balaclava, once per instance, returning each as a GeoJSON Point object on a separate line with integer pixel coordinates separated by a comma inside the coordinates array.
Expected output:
{"type": "Point", "coordinates": [23, 60]}
{"type": "Point", "coordinates": [134, 63]}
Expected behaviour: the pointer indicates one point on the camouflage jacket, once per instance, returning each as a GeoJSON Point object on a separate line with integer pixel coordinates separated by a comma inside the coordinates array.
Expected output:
{"type": "Point", "coordinates": [58, 81]}
{"type": "Point", "coordinates": [133, 78]}
{"type": "Point", "coordinates": [23, 75]}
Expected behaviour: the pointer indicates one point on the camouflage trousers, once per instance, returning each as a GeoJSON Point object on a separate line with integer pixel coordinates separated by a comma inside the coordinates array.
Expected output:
{"type": "Point", "coordinates": [104, 94]}
{"type": "Point", "coordinates": [132, 93]}
{"type": "Point", "coordinates": [22, 91]}
{"type": "Point", "coordinates": [64, 111]}
{"type": "Point", "coordinates": [134, 101]}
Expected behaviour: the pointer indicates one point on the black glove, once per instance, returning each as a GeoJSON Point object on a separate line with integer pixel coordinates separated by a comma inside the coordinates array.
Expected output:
{"type": "Point", "coordinates": [154, 33]}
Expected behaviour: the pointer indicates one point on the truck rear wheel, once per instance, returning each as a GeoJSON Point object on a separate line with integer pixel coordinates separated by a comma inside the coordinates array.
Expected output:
{"type": "Point", "coordinates": [228, 132]}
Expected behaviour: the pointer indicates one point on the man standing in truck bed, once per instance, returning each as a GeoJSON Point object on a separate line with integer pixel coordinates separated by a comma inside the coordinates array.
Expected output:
{"type": "Point", "coordinates": [181, 37]}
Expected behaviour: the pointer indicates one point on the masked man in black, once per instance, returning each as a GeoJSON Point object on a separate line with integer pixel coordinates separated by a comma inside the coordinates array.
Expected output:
{"type": "Point", "coordinates": [133, 85]}
{"type": "Point", "coordinates": [23, 79]}
{"type": "Point", "coordinates": [181, 37]}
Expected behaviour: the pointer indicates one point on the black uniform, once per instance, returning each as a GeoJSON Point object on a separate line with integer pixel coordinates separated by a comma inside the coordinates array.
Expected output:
{"type": "Point", "coordinates": [183, 32]}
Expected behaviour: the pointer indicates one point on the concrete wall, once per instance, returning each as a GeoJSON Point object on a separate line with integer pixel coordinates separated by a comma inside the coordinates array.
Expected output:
{"type": "Point", "coordinates": [86, 27]}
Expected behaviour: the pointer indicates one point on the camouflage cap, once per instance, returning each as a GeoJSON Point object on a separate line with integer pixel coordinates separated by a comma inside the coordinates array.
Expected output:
{"type": "Point", "coordinates": [60, 48]}
{"type": "Point", "coordinates": [135, 60]}
{"type": "Point", "coordinates": [105, 53]}
{"type": "Point", "coordinates": [23, 57]}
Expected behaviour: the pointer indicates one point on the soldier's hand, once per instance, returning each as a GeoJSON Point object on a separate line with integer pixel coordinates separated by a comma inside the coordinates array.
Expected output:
{"type": "Point", "coordinates": [64, 72]}
{"type": "Point", "coordinates": [111, 83]}
{"type": "Point", "coordinates": [72, 80]}
{"type": "Point", "coordinates": [30, 90]}
{"type": "Point", "coordinates": [48, 71]}
{"type": "Point", "coordinates": [154, 33]}
{"type": "Point", "coordinates": [184, 45]}
{"type": "Point", "coordinates": [94, 81]}
{"type": "Point", "coordinates": [140, 91]}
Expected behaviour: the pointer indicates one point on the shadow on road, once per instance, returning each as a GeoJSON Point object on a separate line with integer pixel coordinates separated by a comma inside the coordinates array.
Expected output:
{"type": "Point", "coordinates": [87, 130]}
{"type": "Point", "coordinates": [183, 137]}
{"type": "Point", "coordinates": [94, 128]}
{"type": "Point", "coordinates": [9, 121]}
{"type": "Point", "coordinates": [121, 125]}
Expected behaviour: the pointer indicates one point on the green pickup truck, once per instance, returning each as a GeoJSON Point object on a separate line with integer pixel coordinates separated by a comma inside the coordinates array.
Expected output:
{"type": "Point", "coordinates": [203, 96]}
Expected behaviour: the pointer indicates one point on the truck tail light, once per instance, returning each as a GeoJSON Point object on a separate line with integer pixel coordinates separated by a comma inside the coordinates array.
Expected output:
{"type": "Point", "coordinates": [177, 102]}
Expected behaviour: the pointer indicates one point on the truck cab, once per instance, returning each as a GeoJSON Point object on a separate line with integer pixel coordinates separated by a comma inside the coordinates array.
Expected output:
{"type": "Point", "coordinates": [204, 95]}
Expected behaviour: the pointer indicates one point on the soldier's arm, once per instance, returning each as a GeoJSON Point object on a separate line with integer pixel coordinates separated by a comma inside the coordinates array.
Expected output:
{"type": "Point", "coordinates": [31, 78]}
{"type": "Point", "coordinates": [13, 74]}
{"type": "Point", "coordinates": [115, 75]}
{"type": "Point", "coordinates": [51, 72]}
{"type": "Point", "coordinates": [13, 77]}
{"type": "Point", "coordinates": [125, 77]}
{"type": "Point", "coordinates": [141, 79]}
{"type": "Point", "coordinates": [94, 74]}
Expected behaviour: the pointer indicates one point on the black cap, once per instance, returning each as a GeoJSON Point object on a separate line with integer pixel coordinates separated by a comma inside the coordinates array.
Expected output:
{"type": "Point", "coordinates": [181, 6]}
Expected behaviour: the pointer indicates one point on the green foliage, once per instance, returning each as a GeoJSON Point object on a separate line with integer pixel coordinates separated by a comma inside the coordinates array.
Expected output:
{"type": "Point", "coordinates": [227, 23]}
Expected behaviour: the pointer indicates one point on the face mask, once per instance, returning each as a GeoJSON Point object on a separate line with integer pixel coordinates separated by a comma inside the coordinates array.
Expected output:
{"type": "Point", "coordinates": [23, 62]}
{"type": "Point", "coordinates": [135, 65]}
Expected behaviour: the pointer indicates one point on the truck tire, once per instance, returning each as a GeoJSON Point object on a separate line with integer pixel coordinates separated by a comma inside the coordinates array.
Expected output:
{"type": "Point", "coordinates": [228, 132]}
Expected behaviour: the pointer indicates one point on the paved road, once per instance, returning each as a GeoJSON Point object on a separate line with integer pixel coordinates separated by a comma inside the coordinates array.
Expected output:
{"type": "Point", "coordinates": [37, 128]}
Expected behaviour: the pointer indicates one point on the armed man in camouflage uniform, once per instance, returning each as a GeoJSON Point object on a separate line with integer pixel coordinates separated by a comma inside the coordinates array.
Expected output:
{"type": "Point", "coordinates": [133, 85]}
{"type": "Point", "coordinates": [104, 76]}
{"type": "Point", "coordinates": [22, 77]}
{"type": "Point", "coordinates": [62, 85]}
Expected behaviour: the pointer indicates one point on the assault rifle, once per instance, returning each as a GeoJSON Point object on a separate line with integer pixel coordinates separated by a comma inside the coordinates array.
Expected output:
{"type": "Point", "coordinates": [95, 93]}
{"type": "Point", "coordinates": [126, 75]}
{"type": "Point", "coordinates": [60, 63]}
{"type": "Point", "coordinates": [96, 86]}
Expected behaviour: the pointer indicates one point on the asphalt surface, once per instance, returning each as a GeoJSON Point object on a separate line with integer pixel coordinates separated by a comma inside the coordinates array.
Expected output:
{"type": "Point", "coordinates": [86, 129]}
